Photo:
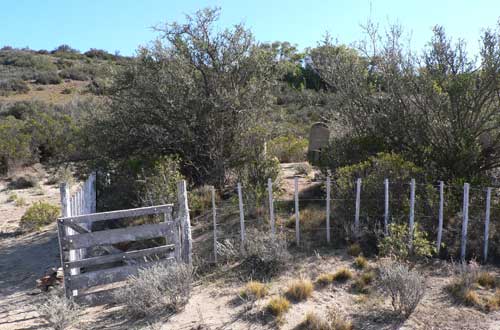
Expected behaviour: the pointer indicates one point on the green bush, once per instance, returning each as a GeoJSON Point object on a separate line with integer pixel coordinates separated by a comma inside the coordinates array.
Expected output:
{"type": "Point", "coordinates": [48, 78]}
{"type": "Point", "coordinates": [288, 148]}
{"type": "Point", "coordinates": [160, 183]}
{"type": "Point", "coordinates": [14, 85]}
{"type": "Point", "coordinates": [398, 244]}
{"type": "Point", "coordinates": [38, 215]}
{"type": "Point", "coordinates": [373, 172]}
{"type": "Point", "coordinates": [14, 143]}
{"type": "Point", "coordinates": [75, 73]}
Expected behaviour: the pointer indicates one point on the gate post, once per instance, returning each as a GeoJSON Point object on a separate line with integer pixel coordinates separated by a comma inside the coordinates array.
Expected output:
{"type": "Point", "coordinates": [183, 214]}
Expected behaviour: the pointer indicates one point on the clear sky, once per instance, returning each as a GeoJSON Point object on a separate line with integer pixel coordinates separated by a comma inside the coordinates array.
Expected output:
{"type": "Point", "coordinates": [124, 24]}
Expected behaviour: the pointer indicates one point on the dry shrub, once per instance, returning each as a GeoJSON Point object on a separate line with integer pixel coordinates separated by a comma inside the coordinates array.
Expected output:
{"type": "Point", "coordinates": [360, 262]}
{"type": "Point", "coordinates": [254, 290]}
{"type": "Point", "coordinates": [324, 279]}
{"type": "Point", "coordinates": [264, 255]}
{"type": "Point", "coordinates": [362, 283]}
{"type": "Point", "coordinates": [299, 290]}
{"type": "Point", "coordinates": [311, 218]}
{"type": "Point", "coordinates": [303, 169]}
{"type": "Point", "coordinates": [486, 280]}
{"type": "Point", "coordinates": [334, 320]}
{"type": "Point", "coordinates": [38, 215]}
{"type": "Point", "coordinates": [342, 275]}
{"type": "Point", "coordinates": [467, 275]}
{"type": "Point", "coordinates": [155, 290]}
{"type": "Point", "coordinates": [493, 303]}
{"type": "Point", "coordinates": [406, 287]}
{"type": "Point", "coordinates": [58, 311]}
{"type": "Point", "coordinates": [354, 250]}
{"type": "Point", "coordinates": [278, 306]}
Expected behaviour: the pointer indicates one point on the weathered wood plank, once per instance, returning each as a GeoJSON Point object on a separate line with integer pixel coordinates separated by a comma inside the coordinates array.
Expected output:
{"type": "Point", "coordinates": [120, 256]}
{"type": "Point", "coordinates": [113, 236]}
{"type": "Point", "coordinates": [106, 276]}
{"type": "Point", "coordinates": [150, 210]}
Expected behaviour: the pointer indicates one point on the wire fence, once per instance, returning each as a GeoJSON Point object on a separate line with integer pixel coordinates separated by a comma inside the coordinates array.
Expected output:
{"type": "Point", "coordinates": [460, 220]}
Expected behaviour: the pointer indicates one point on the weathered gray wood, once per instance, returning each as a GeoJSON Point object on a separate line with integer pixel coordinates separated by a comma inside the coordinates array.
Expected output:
{"type": "Point", "coordinates": [214, 220]}
{"type": "Point", "coordinates": [412, 210]}
{"type": "Point", "coordinates": [242, 217]}
{"type": "Point", "coordinates": [187, 244]}
{"type": "Point", "coordinates": [61, 234]}
{"type": "Point", "coordinates": [65, 212]}
{"type": "Point", "coordinates": [328, 198]}
{"type": "Point", "coordinates": [150, 210]}
{"type": "Point", "coordinates": [386, 207]}
{"type": "Point", "coordinates": [465, 221]}
{"type": "Point", "coordinates": [440, 216]}
{"type": "Point", "coordinates": [113, 236]}
{"type": "Point", "coordinates": [106, 259]}
{"type": "Point", "coordinates": [111, 275]}
{"type": "Point", "coordinates": [92, 193]}
{"type": "Point", "coordinates": [271, 206]}
{"type": "Point", "coordinates": [487, 224]}
{"type": "Point", "coordinates": [358, 206]}
{"type": "Point", "coordinates": [297, 213]}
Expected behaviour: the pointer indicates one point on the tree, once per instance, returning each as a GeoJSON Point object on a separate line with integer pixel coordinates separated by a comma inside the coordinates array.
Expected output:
{"type": "Point", "coordinates": [191, 94]}
{"type": "Point", "coordinates": [439, 110]}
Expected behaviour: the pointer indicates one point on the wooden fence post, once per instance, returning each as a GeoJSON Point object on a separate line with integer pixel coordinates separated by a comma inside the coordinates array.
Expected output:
{"type": "Point", "coordinates": [358, 205]}
{"type": "Point", "coordinates": [242, 217]}
{"type": "Point", "coordinates": [297, 217]}
{"type": "Point", "coordinates": [412, 209]}
{"type": "Point", "coordinates": [93, 192]}
{"type": "Point", "coordinates": [271, 206]}
{"type": "Point", "coordinates": [66, 211]}
{"type": "Point", "coordinates": [386, 207]}
{"type": "Point", "coordinates": [465, 221]}
{"type": "Point", "coordinates": [487, 224]}
{"type": "Point", "coordinates": [328, 187]}
{"type": "Point", "coordinates": [187, 244]}
{"type": "Point", "coordinates": [441, 211]}
{"type": "Point", "coordinates": [214, 216]}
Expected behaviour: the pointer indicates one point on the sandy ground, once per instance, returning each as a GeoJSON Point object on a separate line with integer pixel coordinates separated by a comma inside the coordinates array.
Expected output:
{"type": "Point", "coordinates": [215, 303]}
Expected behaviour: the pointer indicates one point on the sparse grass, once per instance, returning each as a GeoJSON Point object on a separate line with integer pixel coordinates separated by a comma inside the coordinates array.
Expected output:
{"type": "Point", "coordinates": [278, 306]}
{"type": "Point", "coordinates": [362, 283]}
{"type": "Point", "coordinates": [20, 202]}
{"type": "Point", "coordinates": [354, 250]}
{"type": "Point", "coordinates": [299, 290]}
{"type": "Point", "coordinates": [471, 298]}
{"type": "Point", "coordinates": [254, 290]}
{"type": "Point", "coordinates": [310, 218]}
{"type": "Point", "coordinates": [486, 280]}
{"type": "Point", "coordinates": [59, 312]}
{"type": "Point", "coordinates": [324, 279]}
{"type": "Point", "coordinates": [334, 320]}
{"type": "Point", "coordinates": [360, 262]}
{"type": "Point", "coordinates": [342, 275]}
{"type": "Point", "coordinates": [12, 197]}
{"type": "Point", "coordinates": [493, 303]}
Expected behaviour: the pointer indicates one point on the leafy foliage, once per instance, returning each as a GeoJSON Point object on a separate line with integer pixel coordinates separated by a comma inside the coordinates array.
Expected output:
{"type": "Point", "coordinates": [400, 245]}
{"type": "Point", "coordinates": [38, 215]}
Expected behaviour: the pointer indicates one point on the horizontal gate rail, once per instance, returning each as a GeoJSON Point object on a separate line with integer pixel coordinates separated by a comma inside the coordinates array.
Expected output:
{"type": "Point", "coordinates": [101, 260]}
{"type": "Point", "coordinates": [111, 215]}
{"type": "Point", "coordinates": [113, 236]}
{"type": "Point", "coordinates": [111, 275]}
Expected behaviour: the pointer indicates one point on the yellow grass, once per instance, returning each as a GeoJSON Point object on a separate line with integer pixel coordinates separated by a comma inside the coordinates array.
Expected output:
{"type": "Point", "coordinates": [299, 290]}
{"type": "Point", "coordinates": [278, 306]}
{"type": "Point", "coordinates": [254, 290]}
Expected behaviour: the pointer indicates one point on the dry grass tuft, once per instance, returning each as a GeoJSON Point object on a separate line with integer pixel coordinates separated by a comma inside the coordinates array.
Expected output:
{"type": "Point", "coordinates": [254, 290]}
{"type": "Point", "coordinates": [324, 279]}
{"type": "Point", "coordinates": [278, 306]}
{"type": "Point", "coordinates": [334, 320]}
{"type": "Point", "coordinates": [486, 280]}
{"type": "Point", "coordinates": [493, 303]}
{"type": "Point", "coordinates": [354, 250]}
{"type": "Point", "coordinates": [360, 262]}
{"type": "Point", "coordinates": [342, 275]}
{"type": "Point", "coordinates": [299, 290]}
{"type": "Point", "coordinates": [471, 298]}
{"type": "Point", "coordinates": [363, 282]}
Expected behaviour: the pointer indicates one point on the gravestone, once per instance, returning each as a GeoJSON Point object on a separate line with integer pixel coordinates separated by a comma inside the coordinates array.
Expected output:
{"type": "Point", "coordinates": [319, 136]}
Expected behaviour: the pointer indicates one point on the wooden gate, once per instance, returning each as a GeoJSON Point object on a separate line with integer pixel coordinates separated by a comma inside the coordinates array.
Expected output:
{"type": "Point", "coordinates": [85, 273]}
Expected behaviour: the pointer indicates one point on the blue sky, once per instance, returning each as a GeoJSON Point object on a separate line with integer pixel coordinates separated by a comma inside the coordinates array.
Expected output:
{"type": "Point", "coordinates": [124, 24]}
